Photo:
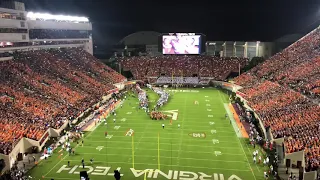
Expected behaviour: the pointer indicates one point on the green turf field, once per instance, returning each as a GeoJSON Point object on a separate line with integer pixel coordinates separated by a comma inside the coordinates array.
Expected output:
{"type": "Point", "coordinates": [206, 145]}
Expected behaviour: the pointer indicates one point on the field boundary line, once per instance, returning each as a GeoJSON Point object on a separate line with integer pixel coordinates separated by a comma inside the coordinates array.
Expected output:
{"type": "Point", "coordinates": [232, 120]}
{"type": "Point", "coordinates": [250, 153]}
{"type": "Point", "coordinates": [247, 159]}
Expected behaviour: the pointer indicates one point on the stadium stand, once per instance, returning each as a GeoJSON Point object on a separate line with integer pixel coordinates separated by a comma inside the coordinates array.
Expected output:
{"type": "Point", "coordinates": [296, 67]}
{"type": "Point", "coordinates": [284, 91]}
{"type": "Point", "coordinates": [187, 66]}
{"type": "Point", "coordinates": [42, 89]}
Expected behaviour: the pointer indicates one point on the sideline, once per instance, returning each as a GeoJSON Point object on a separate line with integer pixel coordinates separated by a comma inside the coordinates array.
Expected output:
{"type": "Point", "coordinates": [91, 125]}
{"type": "Point", "coordinates": [234, 118]}
{"type": "Point", "coordinates": [90, 132]}
{"type": "Point", "coordinates": [234, 123]}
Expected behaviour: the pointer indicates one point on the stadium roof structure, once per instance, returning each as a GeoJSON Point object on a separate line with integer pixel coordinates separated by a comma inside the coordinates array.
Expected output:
{"type": "Point", "coordinates": [141, 38]}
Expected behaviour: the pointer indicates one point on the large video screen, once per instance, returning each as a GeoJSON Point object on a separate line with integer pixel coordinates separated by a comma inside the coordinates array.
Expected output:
{"type": "Point", "coordinates": [181, 43]}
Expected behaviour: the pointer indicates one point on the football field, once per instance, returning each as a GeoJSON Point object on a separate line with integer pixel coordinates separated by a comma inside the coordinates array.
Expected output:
{"type": "Point", "coordinates": [205, 146]}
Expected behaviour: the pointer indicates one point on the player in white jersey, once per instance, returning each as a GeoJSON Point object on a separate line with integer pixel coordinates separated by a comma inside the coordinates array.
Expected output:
{"type": "Point", "coordinates": [265, 175]}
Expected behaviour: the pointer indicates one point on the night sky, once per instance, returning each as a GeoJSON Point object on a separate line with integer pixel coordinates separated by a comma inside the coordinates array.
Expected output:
{"type": "Point", "coordinates": [241, 20]}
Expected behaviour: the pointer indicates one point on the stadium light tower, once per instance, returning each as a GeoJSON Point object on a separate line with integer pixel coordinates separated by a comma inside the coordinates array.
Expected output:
{"type": "Point", "coordinates": [46, 16]}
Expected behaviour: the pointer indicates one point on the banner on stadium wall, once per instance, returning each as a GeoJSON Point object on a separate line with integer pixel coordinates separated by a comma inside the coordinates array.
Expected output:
{"type": "Point", "coordinates": [43, 139]}
{"type": "Point", "coordinates": [229, 86]}
{"type": "Point", "coordinates": [113, 91]}
{"type": "Point", "coordinates": [130, 82]}
{"type": "Point", "coordinates": [243, 95]}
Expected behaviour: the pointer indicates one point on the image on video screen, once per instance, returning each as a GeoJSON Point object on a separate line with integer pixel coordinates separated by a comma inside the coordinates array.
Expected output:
{"type": "Point", "coordinates": [181, 44]}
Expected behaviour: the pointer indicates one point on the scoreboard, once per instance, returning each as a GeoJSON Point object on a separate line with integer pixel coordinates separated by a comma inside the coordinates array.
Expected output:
{"type": "Point", "coordinates": [181, 43]}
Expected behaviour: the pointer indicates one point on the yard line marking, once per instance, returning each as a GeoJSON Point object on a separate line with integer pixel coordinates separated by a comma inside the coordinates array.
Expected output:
{"type": "Point", "coordinates": [147, 124]}
{"type": "Point", "coordinates": [184, 145]}
{"type": "Point", "coordinates": [148, 149]}
{"type": "Point", "coordinates": [181, 135]}
{"type": "Point", "coordinates": [167, 138]}
{"type": "Point", "coordinates": [165, 157]}
{"type": "Point", "coordinates": [220, 97]}
{"type": "Point", "coordinates": [116, 142]}
{"type": "Point", "coordinates": [190, 130]}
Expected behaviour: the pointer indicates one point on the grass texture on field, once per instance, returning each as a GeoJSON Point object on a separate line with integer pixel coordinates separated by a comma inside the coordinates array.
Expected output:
{"type": "Point", "coordinates": [205, 146]}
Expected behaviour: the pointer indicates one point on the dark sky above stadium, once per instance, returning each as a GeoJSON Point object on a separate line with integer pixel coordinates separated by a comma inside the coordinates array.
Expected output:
{"type": "Point", "coordinates": [263, 20]}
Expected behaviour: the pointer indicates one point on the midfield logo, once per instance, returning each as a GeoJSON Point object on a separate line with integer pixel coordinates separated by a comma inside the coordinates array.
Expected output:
{"type": "Point", "coordinates": [198, 135]}
{"type": "Point", "coordinates": [150, 173]}
{"type": "Point", "coordinates": [172, 113]}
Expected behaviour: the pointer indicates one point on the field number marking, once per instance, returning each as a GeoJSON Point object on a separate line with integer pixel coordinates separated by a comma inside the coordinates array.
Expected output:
{"type": "Point", "coordinates": [210, 116]}
{"type": "Point", "coordinates": [130, 132]}
{"type": "Point", "coordinates": [116, 127]}
{"type": "Point", "coordinates": [123, 120]}
{"type": "Point", "coordinates": [209, 109]}
{"type": "Point", "coordinates": [213, 131]}
{"type": "Point", "coordinates": [215, 141]}
{"type": "Point", "coordinates": [129, 112]}
{"type": "Point", "coordinates": [109, 136]}
{"type": "Point", "coordinates": [217, 153]}
{"type": "Point", "coordinates": [99, 148]}
{"type": "Point", "coordinates": [208, 104]}
{"type": "Point", "coordinates": [198, 135]}
{"type": "Point", "coordinates": [207, 100]}
{"type": "Point", "coordinates": [211, 123]}
{"type": "Point", "coordinates": [206, 96]}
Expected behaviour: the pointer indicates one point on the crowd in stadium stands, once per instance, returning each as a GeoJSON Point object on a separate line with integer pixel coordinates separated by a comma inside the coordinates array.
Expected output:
{"type": "Point", "coordinates": [57, 34]}
{"type": "Point", "coordinates": [188, 66]}
{"type": "Point", "coordinates": [42, 89]}
{"type": "Point", "coordinates": [285, 92]}
{"type": "Point", "coordinates": [37, 43]}
{"type": "Point", "coordinates": [14, 174]}
{"type": "Point", "coordinates": [297, 67]}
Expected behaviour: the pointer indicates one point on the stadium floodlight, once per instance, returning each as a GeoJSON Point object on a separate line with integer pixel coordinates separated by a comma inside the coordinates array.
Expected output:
{"type": "Point", "coordinates": [46, 16]}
